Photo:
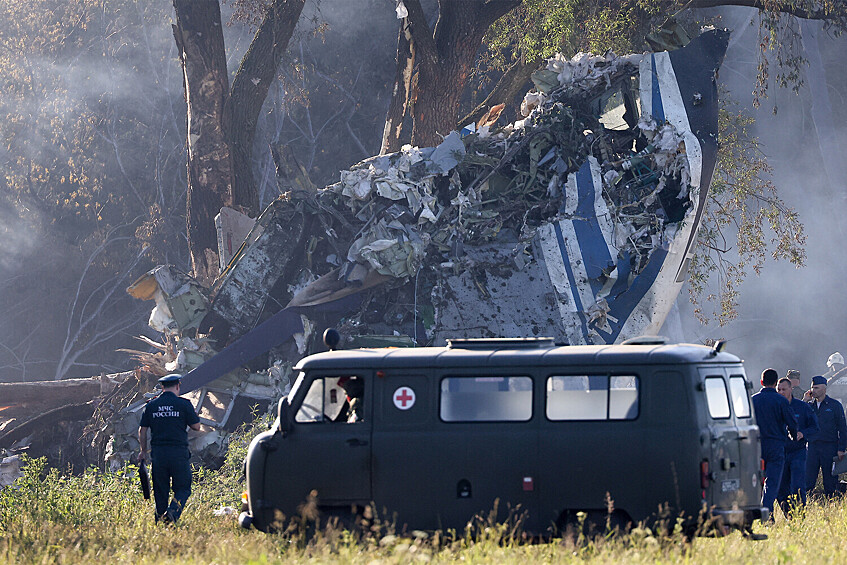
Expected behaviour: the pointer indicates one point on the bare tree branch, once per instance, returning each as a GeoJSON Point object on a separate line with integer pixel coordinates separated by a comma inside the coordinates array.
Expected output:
{"type": "Point", "coordinates": [76, 340]}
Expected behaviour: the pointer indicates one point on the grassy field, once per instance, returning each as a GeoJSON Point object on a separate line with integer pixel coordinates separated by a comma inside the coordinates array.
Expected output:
{"type": "Point", "coordinates": [102, 518]}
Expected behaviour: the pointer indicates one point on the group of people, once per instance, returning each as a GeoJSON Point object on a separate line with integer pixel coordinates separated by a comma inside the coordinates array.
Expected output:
{"type": "Point", "coordinates": [803, 432]}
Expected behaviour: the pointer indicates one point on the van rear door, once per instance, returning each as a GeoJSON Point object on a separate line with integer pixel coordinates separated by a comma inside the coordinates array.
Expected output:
{"type": "Point", "coordinates": [725, 461]}
{"type": "Point", "coordinates": [748, 435]}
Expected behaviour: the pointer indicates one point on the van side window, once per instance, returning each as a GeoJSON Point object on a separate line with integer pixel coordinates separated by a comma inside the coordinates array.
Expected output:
{"type": "Point", "coordinates": [486, 399]}
{"type": "Point", "coordinates": [740, 400]}
{"type": "Point", "coordinates": [592, 397]}
{"type": "Point", "coordinates": [623, 398]}
{"type": "Point", "coordinates": [332, 399]}
{"type": "Point", "coordinates": [717, 398]}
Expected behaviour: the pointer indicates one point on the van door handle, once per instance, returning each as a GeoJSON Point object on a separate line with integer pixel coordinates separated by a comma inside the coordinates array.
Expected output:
{"type": "Point", "coordinates": [742, 438]}
{"type": "Point", "coordinates": [356, 442]}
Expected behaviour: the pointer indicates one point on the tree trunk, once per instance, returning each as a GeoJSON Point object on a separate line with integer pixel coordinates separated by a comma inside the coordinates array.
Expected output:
{"type": "Point", "coordinates": [222, 124]}
{"type": "Point", "coordinates": [206, 84]}
{"type": "Point", "coordinates": [249, 90]}
{"type": "Point", "coordinates": [444, 59]}
{"type": "Point", "coordinates": [392, 135]}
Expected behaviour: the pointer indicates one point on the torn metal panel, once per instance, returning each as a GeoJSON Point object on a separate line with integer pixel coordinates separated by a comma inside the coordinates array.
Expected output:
{"type": "Point", "coordinates": [10, 470]}
{"type": "Point", "coordinates": [487, 296]}
{"type": "Point", "coordinates": [232, 227]}
{"type": "Point", "coordinates": [668, 37]}
{"type": "Point", "coordinates": [242, 289]}
{"type": "Point", "coordinates": [181, 303]}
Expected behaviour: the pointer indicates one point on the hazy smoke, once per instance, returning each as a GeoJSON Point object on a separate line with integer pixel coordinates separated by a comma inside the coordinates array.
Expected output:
{"type": "Point", "coordinates": [791, 318]}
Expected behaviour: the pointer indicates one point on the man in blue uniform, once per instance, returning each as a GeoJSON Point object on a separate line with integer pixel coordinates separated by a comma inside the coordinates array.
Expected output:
{"type": "Point", "coordinates": [774, 416]}
{"type": "Point", "coordinates": [830, 442]}
{"type": "Point", "coordinates": [793, 481]}
{"type": "Point", "coordinates": [167, 416]}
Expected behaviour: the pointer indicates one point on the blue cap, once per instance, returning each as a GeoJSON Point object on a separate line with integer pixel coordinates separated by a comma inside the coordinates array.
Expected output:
{"type": "Point", "coordinates": [170, 379]}
{"type": "Point", "coordinates": [818, 380]}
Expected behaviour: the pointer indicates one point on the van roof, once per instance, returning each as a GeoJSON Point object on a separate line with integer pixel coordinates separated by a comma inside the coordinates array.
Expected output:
{"type": "Point", "coordinates": [505, 356]}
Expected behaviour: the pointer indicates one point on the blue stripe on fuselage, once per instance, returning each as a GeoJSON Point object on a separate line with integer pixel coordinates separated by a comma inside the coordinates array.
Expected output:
{"type": "Point", "coordinates": [621, 304]}
{"type": "Point", "coordinates": [563, 250]}
{"type": "Point", "coordinates": [658, 110]}
{"type": "Point", "coordinates": [592, 244]}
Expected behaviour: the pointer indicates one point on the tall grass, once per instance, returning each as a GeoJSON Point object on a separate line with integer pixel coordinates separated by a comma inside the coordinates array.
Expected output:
{"type": "Point", "coordinates": [101, 518]}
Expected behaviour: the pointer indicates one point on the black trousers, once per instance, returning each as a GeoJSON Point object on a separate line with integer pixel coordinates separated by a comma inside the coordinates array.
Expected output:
{"type": "Point", "coordinates": [819, 457]}
{"type": "Point", "coordinates": [171, 470]}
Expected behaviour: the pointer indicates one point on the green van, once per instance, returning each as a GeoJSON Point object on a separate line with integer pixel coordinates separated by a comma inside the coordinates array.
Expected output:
{"type": "Point", "coordinates": [433, 436]}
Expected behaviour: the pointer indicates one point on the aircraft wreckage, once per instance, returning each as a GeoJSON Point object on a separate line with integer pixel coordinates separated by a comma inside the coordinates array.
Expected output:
{"type": "Point", "coordinates": [576, 222]}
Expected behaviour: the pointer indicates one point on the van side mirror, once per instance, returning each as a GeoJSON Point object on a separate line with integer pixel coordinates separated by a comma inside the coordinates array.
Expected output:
{"type": "Point", "coordinates": [284, 415]}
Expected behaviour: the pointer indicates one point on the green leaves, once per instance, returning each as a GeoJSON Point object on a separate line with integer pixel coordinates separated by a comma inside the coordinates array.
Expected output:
{"type": "Point", "coordinates": [743, 204]}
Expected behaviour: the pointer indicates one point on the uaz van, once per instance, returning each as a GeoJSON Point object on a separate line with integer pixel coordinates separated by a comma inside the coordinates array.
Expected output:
{"type": "Point", "coordinates": [432, 436]}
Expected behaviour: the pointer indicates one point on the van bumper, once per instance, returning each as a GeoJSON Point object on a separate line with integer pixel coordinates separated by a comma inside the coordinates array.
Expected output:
{"type": "Point", "coordinates": [741, 517]}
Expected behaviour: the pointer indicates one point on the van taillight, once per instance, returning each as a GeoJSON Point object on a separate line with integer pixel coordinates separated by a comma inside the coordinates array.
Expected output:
{"type": "Point", "coordinates": [705, 478]}
{"type": "Point", "coordinates": [762, 465]}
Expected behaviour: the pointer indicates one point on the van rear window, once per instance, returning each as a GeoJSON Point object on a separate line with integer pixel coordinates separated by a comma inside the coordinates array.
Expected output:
{"type": "Point", "coordinates": [717, 398]}
{"type": "Point", "coordinates": [486, 399]}
{"type": "Point", "coordinates": [592, 397]}
{"type": "Point", "coordinates": [740, 400]}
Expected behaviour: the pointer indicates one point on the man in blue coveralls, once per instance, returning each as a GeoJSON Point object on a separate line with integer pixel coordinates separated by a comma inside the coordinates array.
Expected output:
{"type": "Point", "coordinates": [774, 416]}
{"type": "Point", "coordinates": [793, 481]}
{"type": "Point", "coordinates": [830, 442]}
{"type": "Point", "coordinates": [167, 416]}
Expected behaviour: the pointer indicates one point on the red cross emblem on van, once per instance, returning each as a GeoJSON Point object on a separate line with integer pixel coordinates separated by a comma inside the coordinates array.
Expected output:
{"type": "Point", "coordinates": [404, 398]}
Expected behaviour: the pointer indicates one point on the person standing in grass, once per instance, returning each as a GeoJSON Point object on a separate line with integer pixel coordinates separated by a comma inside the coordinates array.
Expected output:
{"type": "Point", "coordinates": [774, 416]}
{"type": "Point", "coordinates": [830, 442]}
{"type": "Point", "coordinates": [793, 483]}
{"type": "Point", "coordinates": [167, 417]}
